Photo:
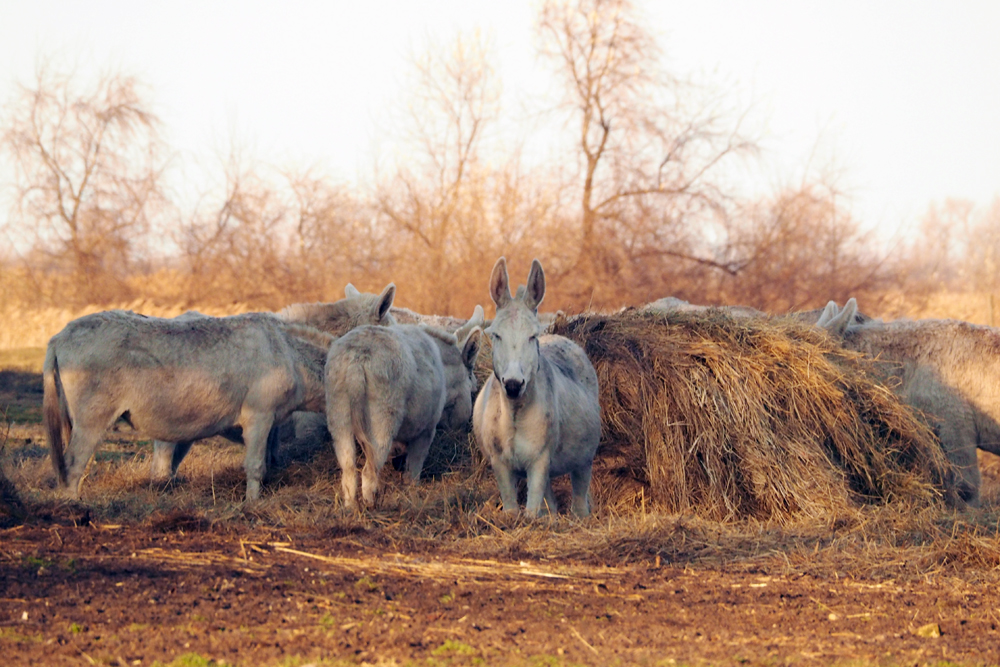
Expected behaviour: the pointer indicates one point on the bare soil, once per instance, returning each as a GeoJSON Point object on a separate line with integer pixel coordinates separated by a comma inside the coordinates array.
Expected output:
{"type": "Point", "coordinates": [125, 595]}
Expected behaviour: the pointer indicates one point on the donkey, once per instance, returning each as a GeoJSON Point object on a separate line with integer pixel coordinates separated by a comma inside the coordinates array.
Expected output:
{"type": "Point", "coordinates": [669, 304]}
{"type": "Point", "coordinates": [176, 380]}
{"type": "Point", "coordinates": [946, 369]}
{"type": "Point", "coordinates": [334, 318]}
{"type": "Point", "coordinates": [339, 317]}
{"type": "Point", "coordinates": [386, 384]}
{"type": "Point", "coordinates": [538, 415]}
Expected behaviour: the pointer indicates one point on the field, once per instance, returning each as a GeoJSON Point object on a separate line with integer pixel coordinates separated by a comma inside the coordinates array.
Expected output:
{"type": "Point", "coordinates": [187, 574]}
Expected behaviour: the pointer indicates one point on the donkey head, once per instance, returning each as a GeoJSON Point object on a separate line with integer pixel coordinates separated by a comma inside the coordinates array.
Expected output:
{"type": "Point", "coordinates": [515, 329]}
{"type": "Point", "coordinates": [364, 308]}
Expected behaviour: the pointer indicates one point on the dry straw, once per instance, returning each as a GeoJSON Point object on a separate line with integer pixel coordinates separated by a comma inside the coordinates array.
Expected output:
{"type": "Point", "coordinates": [756, 418]}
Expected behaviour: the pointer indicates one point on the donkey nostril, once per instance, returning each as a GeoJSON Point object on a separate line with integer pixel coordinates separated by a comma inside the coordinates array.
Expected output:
{"type": "Point", "coordinates": [513, 388]}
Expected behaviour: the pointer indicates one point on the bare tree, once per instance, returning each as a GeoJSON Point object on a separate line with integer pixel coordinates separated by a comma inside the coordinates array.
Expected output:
{"type": "Point", "coordinates": [642, 145]}
{"type": "Point", "coordinates": [441, 199]}
{"type": "Point", "coordinates": [237, 249]}
{"type": "Point", "coordinates": [800, 249]}
{"type": "Point", "coordinates": [88, 168]}
{"type": "Point", "coordinates": [336, 239]}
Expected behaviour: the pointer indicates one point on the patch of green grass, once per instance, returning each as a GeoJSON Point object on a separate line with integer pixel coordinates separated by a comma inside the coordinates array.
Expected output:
{"type": "Point", "coordinates": [23, 414]}
{"type": "Point", "coordinates": [365, 582]}
{"type": "Point", "coordinates": [12, 635]}
{"type": "Point", "coordinates": [75, 628]}
{"type": "Point", "coordinates": [452, 647]}
{"type": "Point", "coordinates": [35, 561]}
{"type": "Point", "coordinates": [190, 660]}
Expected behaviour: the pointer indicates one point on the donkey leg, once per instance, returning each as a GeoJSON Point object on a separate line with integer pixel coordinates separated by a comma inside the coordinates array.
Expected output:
{"type": "Point", "coordinates": [416, 454]}
{"type": "Point", "coordinates": [505, 483]}
{"type": "Point", "coordinates": [255, 434]}
{"type": "Point", "coordinates": [369, 478]}
{"type": "Point", "coordinates": [538, 485]}
{"type": "Point", "coordinates": [273, 441]}
{"type": "Point", "coordinates": [163, 456]}
{"type": "Point", "coordinates": [549, 504]}
{"type": "Point", "coordinates": [167, 456]}
{"type": "Point", "coordinates": [343, 446]}
{"type": "Point", "coordinates": [581, 491]}
{"type": "Point", "coordinates": [81, 448]}
{"type": "Point", "coordinates": [376, 454]}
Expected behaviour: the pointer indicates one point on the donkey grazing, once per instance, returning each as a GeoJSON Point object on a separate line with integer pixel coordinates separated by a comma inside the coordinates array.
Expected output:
{"type": "Point", "coordinates": [538, 415]}
{"type": "Point", "coordinates": [178, 381]}
{"type": "Point", "coordinates": [335, 318]}
{"type": "Point", "coordinates": [669, 304]}
{"type": "Point", "coordinates": [945, 368]}
{"type": "Point", "coordinates": [386, 384]}
{"type": "Point", "coordinates": [339, 317]}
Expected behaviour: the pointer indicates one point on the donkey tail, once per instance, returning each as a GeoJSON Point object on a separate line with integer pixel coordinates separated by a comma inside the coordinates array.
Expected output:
{"type": "Point", "coordinates": [55, 412]}
{"type": "Point", "coordinates": [357, 389]}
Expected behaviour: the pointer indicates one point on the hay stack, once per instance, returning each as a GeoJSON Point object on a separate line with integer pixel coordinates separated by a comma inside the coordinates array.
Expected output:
{"type": "Point", "coordinates": [760, 418]}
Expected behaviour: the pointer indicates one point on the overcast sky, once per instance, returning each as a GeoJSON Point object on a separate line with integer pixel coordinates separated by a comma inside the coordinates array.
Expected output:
{"type": "Point", "coordinates": [902, 96]}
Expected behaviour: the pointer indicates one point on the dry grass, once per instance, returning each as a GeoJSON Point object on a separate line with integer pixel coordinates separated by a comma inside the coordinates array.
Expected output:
{"type": "Point", "coordinates": [750, 418]}
{"type": "Point", "coordinates": [791, 459]}
{"type": "Point", "coordinates": [457, 511]}
{"type": "Point", "coordinates": [27, 328]}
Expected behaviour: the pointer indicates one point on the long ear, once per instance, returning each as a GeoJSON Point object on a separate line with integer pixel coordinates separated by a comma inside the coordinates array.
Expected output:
{"type": "Point", "coordinates": [500, 283]}
{"type": "Point", "coordinates": [385, 303]}
{"type": "Point", "coordinates": [829, 312]}
{"type": "Point", "coordinates": [351, 292]}
{"type": "Point", "coordinates": [837, 326]}
{"type": "Point", "coordinates": [535, 291]}
{"type": "Point", "coordinates": [476, 320]}
{"type": "Point", "coordinates": [470, 348]}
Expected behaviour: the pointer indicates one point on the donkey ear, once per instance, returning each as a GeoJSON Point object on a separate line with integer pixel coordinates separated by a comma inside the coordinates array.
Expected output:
{"type": "Point", "coordinates": [837, 326]}
{"type": "Point", "coordinates": [476, 320]}
{"type": "Point", "coordinates": [351, 292]}
{"type": "Point", "coordinates": [829, 312]}
{"type": "Point", "coordinates": [500, 283]}
{"type": "Point", "coordinates": [470, 348]}
{"type": "Point", "coordinates": [535, 291]}
{"type": "Point", "coordinates": [385, 302]}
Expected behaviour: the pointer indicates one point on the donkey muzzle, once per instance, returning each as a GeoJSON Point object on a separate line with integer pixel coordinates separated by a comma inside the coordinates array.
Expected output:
{"type": "Point", "coordinates": [514, 388]}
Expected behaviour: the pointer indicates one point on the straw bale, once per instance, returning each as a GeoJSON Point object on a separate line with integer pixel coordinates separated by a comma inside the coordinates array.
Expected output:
{"type": "Point", "coordinates": [733, 418]}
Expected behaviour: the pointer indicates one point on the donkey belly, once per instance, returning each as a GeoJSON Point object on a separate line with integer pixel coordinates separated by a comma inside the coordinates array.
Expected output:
{"type": "Point", "coordinates": [190, 407]}
{"type": "Point", "coordinates": [579, 430]}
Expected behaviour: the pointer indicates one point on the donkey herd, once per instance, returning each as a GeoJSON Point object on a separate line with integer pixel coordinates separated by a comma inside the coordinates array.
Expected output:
{"type": "Point", "coordinates": [381, 383]}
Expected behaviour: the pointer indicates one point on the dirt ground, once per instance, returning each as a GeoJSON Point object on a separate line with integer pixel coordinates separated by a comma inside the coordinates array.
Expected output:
{"type": "Point", "coordinates": [179, 589]}
{"type": "Point", "coordinates": [118, 595]}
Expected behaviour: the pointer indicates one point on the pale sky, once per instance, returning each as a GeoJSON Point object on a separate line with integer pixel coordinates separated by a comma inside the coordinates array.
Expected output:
{"type": "Point", "coordinates": [903, 97]}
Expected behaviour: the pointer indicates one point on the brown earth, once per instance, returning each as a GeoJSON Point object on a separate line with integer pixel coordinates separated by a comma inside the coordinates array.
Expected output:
{"type": "Point", "coordinates": [124, 595]}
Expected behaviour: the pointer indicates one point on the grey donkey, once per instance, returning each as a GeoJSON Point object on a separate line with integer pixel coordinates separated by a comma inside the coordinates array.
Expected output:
{"type": "Point", "coordinates": [393, 384]}
{"type": "Point", "coordinates": [335, 318]}
{"type": "Point", "coordinates": [539, 414]}
{"type": "Point", "coordinates": [177, 381]}
{"type": "Point", "coordinates": [946, 369]}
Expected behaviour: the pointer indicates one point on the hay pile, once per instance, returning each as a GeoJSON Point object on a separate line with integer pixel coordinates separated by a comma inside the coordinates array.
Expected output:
{"type": "Point", "coordinates": [748, 418]}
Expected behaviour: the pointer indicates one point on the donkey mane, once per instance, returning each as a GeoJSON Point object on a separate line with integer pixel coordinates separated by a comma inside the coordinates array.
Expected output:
{"type": "Point", "coordinates": [440, 334]}
{"type": "Point", "coordinates": [310, 334]}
